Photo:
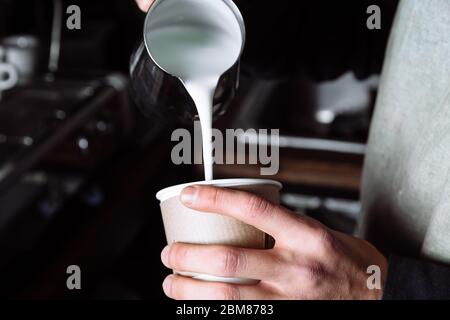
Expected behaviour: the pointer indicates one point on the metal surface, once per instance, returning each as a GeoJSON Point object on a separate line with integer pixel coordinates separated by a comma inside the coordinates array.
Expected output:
{"type": "Point", "coordinates": [158, 93]}
{"type": "Point", "coordinates": [8, 77]}
{"type": "Point", "coordinates": [55, 45]}
{"type": "Point", "coordinates": [22, 53]}
{"type": "Point", "coordinates": [46, 133]}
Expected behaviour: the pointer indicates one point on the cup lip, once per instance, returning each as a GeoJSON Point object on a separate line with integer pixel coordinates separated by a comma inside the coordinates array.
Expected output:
{"type": "Point", "coordinates": [170, 192]}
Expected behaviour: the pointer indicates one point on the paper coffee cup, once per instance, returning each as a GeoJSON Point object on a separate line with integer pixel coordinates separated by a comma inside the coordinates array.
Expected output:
{"type": "Point", "coordinates": [184, 225]}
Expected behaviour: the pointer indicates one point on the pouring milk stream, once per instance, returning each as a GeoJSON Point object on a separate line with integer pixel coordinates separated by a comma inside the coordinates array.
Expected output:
{"type": "Point", "coordinates": [196, 41]}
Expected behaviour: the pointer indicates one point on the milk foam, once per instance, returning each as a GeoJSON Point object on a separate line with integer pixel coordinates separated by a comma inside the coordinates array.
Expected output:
{"type": "Point", "coordinates": [196, 41]}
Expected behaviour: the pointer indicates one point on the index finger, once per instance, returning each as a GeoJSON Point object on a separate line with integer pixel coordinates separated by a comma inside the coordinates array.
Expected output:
{"type": "Point", "coordinates": [246, 207]}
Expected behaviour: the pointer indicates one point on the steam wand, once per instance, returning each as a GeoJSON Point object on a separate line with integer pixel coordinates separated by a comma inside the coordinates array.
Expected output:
{"type": "Point", "coordinates": [55, 45]}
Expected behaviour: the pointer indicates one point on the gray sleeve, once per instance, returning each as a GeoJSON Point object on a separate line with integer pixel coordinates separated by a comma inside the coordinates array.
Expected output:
{"type": "Point", "coordinates": [406, 180]}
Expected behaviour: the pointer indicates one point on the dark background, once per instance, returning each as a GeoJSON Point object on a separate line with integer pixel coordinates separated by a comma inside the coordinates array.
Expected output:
{"type": "Point", "coordinates": [64, 204]}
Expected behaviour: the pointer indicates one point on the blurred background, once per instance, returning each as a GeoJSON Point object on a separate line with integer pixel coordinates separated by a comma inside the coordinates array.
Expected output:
{"type": "Point", "coordinates": [80, 165]}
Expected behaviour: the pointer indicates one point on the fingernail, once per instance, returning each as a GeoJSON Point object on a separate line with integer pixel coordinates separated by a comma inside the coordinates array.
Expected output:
{"type": "Point", "coordinates": [165, 256]}
{"type": "Point", "coordinates": [188, 195]}
{"type": "Point", "coordinates": [167, 284]}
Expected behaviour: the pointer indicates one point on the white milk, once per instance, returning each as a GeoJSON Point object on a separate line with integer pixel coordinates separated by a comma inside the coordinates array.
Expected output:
{"type": "Point", "coordinates": [196, 41]}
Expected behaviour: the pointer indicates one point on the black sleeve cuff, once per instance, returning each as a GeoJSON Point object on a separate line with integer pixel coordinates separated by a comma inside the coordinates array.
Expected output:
{"type": "Point", "coordinates": [410, 279]}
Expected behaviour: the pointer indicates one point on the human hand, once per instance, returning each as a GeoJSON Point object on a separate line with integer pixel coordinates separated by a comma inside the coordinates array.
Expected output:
{"type": "Point", "coordinates": [144, 4]}
{"type": "Point", "coordinates": [308, 261]}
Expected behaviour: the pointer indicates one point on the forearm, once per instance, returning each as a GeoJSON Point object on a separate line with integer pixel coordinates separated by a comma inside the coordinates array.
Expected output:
{"type": "Point", "coordinates": [416, 279]}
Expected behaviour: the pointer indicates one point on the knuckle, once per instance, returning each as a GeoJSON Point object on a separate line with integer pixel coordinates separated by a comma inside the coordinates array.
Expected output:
{"type": "Point", "coordinates": [257, 206]}
{"type": "Point", "coordinates": [181, 289]}
{"type": "Point", "coordinates": [228, 292]}
{"type": "Point", "coordinates": [229, 261]}
{"type": "Point", "coordinates": [316, 271]}
{"type": "Point", "coordinates": [177, 255]}
{"type": "Point", "coordinates": [313, 275]}
{"type": "Point", "coordinates": [213, 195]}
{"type": "Point", "coordinates": [174, 290]}
{"type": "Point", "coordinates": [280, 267]}
{"type": "Point", "coordinates": [326, 241]}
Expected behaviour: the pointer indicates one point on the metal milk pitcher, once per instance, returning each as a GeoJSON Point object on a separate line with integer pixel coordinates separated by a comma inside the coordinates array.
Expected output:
{"type": "Point", "coordinates": [158, 93]}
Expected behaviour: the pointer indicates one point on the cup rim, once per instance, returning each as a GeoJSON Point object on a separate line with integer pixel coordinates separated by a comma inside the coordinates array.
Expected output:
{"type": "Point", "coordinates": [170, 192]}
